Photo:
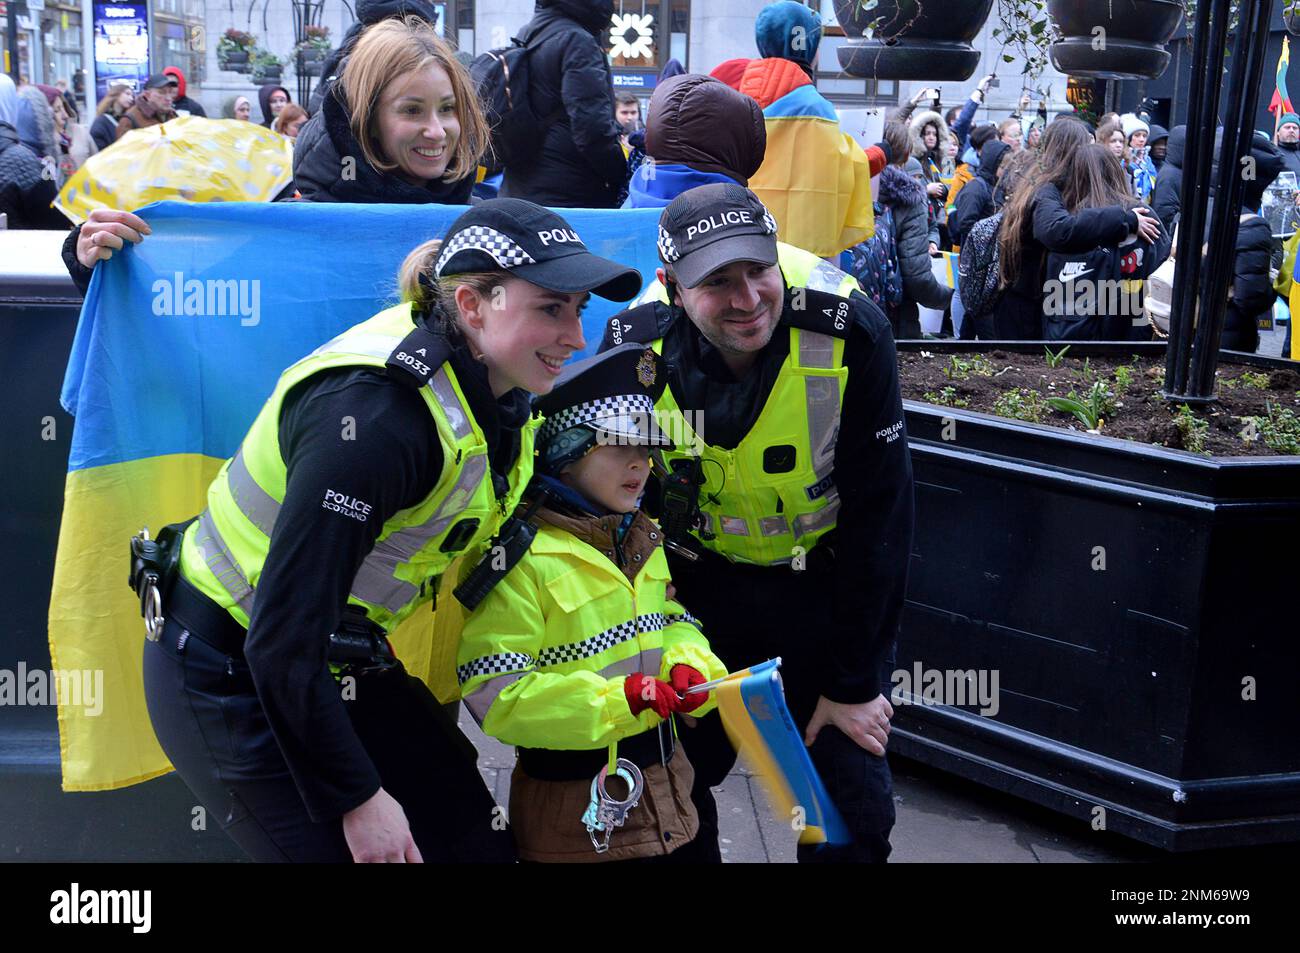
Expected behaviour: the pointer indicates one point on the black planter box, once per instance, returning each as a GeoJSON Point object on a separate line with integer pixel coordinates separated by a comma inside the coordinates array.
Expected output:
{"type": "Point", "coordinates": [1119, 688]}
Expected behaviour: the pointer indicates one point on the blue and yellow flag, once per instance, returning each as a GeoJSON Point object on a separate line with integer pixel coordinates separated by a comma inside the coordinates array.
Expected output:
{"type": "Point", "coordinates": [752, 705]}
{"type": "Point", "coordinates": [181, 340]}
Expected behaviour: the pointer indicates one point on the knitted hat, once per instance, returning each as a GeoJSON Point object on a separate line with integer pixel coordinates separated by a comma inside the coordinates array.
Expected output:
{"type": "Point", "coordinates": [788, 30]}
{"type": "Point", "coordinates": [1288, 117]}
{"type": "Point", "coordinates": [1130, 123]}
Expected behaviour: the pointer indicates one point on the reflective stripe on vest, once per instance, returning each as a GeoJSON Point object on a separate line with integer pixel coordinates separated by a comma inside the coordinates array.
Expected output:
{"type": "Point", "coordinates": [406, 548]}
{"type": "Point", "coordinates": [374, 581]}
{"type": "Point", "coordinates": [752, 514]}
{"type": "Point", "coordinates": [515, 665]}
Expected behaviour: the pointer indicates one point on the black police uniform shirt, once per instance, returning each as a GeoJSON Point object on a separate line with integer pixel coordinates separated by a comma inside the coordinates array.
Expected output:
{"type": "Point", "coordinates": [872, 540]}
{"type": "Point", "coordinates": [360, 432]}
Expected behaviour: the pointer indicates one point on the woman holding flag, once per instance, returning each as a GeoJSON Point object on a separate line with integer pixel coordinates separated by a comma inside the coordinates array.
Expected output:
{"type": "Point", "coordinates": [378, 458]}
{"type": "Point", "coordinates": [403, 126]}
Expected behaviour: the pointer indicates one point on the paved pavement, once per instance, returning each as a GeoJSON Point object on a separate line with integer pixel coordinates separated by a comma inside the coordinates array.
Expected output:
{"type": "Point", "coordinates": [940, 819]}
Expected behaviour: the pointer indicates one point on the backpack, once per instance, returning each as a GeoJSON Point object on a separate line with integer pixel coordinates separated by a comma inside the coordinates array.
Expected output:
{"type": "Point", "coordinates": [874, 262]}
{"type": "Point", "coordinates": [502, 80]}
{"type": "Point", "coordinates": [978, 267]}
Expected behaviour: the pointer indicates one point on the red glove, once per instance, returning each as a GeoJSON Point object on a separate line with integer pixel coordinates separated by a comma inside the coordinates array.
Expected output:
{"type": "Point", "coordinates": [644, 692]}
{"type": "Point", "coordinates": [684, 677]}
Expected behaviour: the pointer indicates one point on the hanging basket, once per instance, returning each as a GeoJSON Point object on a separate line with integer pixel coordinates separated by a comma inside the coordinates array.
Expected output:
{"type": "Point", "coordinates": [1113, 39]}
{"type": "Point", "coordinates": [914, 39]}
{"type": "Point", "coordinates": [235, 61]}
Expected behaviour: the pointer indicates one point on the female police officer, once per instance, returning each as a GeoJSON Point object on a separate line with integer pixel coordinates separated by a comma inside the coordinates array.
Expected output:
{"type": "Point", "coordinates": [377, 459]}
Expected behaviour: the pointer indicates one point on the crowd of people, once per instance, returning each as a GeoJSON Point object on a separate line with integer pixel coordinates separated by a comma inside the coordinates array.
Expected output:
{"type": "Point", "coordinates": [765, 200]}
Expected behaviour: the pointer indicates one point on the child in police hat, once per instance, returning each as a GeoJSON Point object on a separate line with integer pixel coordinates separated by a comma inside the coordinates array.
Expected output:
{"type": "Point", "coordinates": [580, 649]}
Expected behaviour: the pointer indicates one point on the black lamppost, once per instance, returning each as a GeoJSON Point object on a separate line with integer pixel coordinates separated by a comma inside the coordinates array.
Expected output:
{"type": "Point", "coordinates": [1193, 351]}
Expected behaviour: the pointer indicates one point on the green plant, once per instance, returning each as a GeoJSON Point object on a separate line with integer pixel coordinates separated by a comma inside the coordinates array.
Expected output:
{"type": "Point", "coordinates": [1054, 360]}
{"type": "Point", "coordinates": [264, 58]}
{"type": "Point", "coordinates": [1023, 25]}
{"type": "Point", "coordinates": [1092, 409]}
{"type": "Point", "coordinates": [1249, 379]}
{"type": "Point", "coordinates": [1020, 404]}
{"type": "Point", "coordinates": [959, 369]}
{"type": "Point", "coordinates": [1280, 429]}
{"type": "Point", "coordinates": [234, 40]}
{"type": "Point", "coordinates": [1192, 428]}
{"type": "Point", "coordinates": [316, 38]}
{"type": "Point", "coordinates": [1123, 379]}
{"type": "Point", "coordinates": [946, 398]}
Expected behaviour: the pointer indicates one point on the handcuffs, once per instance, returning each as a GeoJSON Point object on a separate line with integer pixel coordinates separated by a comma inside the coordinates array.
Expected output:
{"type": "Point", "coordinates": [151, 560]}
{"type": "Point", "coordinates": [605, 813]}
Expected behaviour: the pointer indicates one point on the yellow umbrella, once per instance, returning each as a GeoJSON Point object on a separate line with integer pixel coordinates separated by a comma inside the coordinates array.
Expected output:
{"type": "Point", "coordinates": [189, 159]}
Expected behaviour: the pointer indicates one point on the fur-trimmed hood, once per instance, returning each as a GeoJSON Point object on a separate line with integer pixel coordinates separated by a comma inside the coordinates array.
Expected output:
{"type": "Point", "coordinates": [897, 188]}
{"type": "Point", "coordinates": [918, 122]}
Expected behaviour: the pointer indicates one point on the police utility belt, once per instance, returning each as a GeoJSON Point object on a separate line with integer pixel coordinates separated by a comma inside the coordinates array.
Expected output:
{"type": "Point", "coordinates": [358, 644]}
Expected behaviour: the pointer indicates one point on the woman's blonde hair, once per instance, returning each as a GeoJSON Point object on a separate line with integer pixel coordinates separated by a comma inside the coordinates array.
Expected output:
{"type": "Point", "coordinates": [417, 284]}
{"type": "Point", "coordinates": [397, 48]}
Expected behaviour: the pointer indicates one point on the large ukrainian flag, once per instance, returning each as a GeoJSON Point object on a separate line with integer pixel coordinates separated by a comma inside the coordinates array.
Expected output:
{"type": "Point", "coordinates": [181, 339]}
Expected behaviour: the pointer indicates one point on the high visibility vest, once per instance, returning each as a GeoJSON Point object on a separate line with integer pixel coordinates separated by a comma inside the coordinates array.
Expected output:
{"type": "Point", "coordinates": [225, 548]}
{"type": "Point", "coordinates": [771, 498]}
{"type": "Point", "coordinates": [567, 610]}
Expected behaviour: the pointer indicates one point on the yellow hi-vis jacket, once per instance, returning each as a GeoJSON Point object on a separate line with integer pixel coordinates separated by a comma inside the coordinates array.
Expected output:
{"type": "Point", "coordinates": [771, 498]}
{"type": "Point", "coordinates": [543, 659]}
{"type": "Point", "coordinates": [225, 549]}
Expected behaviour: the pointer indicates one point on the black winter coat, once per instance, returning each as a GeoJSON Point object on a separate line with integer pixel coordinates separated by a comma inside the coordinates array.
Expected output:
{"type": "Point", "coordinates": [104, 130]}
{"type": "Point", "coordinates": [1252, 289]}
{"type": "Point", "coordinates": [579, 163]}
{"type": "Point", "coordinates": [1291, 156]}
{"type": "Point", "coordinates": [906, 197]}
{"type": "Point", "coordinates": [1019, 315]}
{"type": "Point", "coordinates": [975, 200]}
{"type": "Point", "coordinates": [1166, 198]}
{"type": "Point", "coordinates": [25, 194]}
{"type": "Point", "coordinates": [318, 170]}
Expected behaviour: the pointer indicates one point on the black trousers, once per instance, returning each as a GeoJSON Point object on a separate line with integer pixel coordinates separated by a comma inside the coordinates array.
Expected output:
{"type": "Point", "coordinates": [750, 614]}
{"type": "Point", "coordinates": [208, 719]}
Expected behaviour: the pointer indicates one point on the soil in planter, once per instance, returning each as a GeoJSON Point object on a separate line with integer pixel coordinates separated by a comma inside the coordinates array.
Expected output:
{"type": "Point", "coordinates": [1018, 385]}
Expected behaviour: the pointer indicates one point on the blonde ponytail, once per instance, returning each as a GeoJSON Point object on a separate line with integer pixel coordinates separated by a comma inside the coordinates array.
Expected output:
{"type": "Point", "coordinates": [417, 284]}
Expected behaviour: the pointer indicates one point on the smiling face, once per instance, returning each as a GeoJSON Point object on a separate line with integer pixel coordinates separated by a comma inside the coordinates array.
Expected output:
{"type": "Point", "coordinates": [417, 124]}
{"type": "Point", "coordinates": [525, 333]}
{"type": "Point", "coordinates": [612, 475]}
{"type": "Point", "coordinates": [736, 308]}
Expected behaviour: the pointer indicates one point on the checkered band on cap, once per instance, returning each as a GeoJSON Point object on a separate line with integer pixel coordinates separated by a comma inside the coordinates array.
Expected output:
{"type": "Point", "coordinates": [667, 250]}
{"type": "Point", "coordinates": [593, 411]}
{"type": "Point", "coordinates": [502, 249]}
{"type": "Point", "coordinates": [769, 222]}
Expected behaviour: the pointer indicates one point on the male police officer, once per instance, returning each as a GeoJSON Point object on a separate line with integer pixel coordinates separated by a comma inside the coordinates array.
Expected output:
{"type": "Point", "coordinates": [793, 430]}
